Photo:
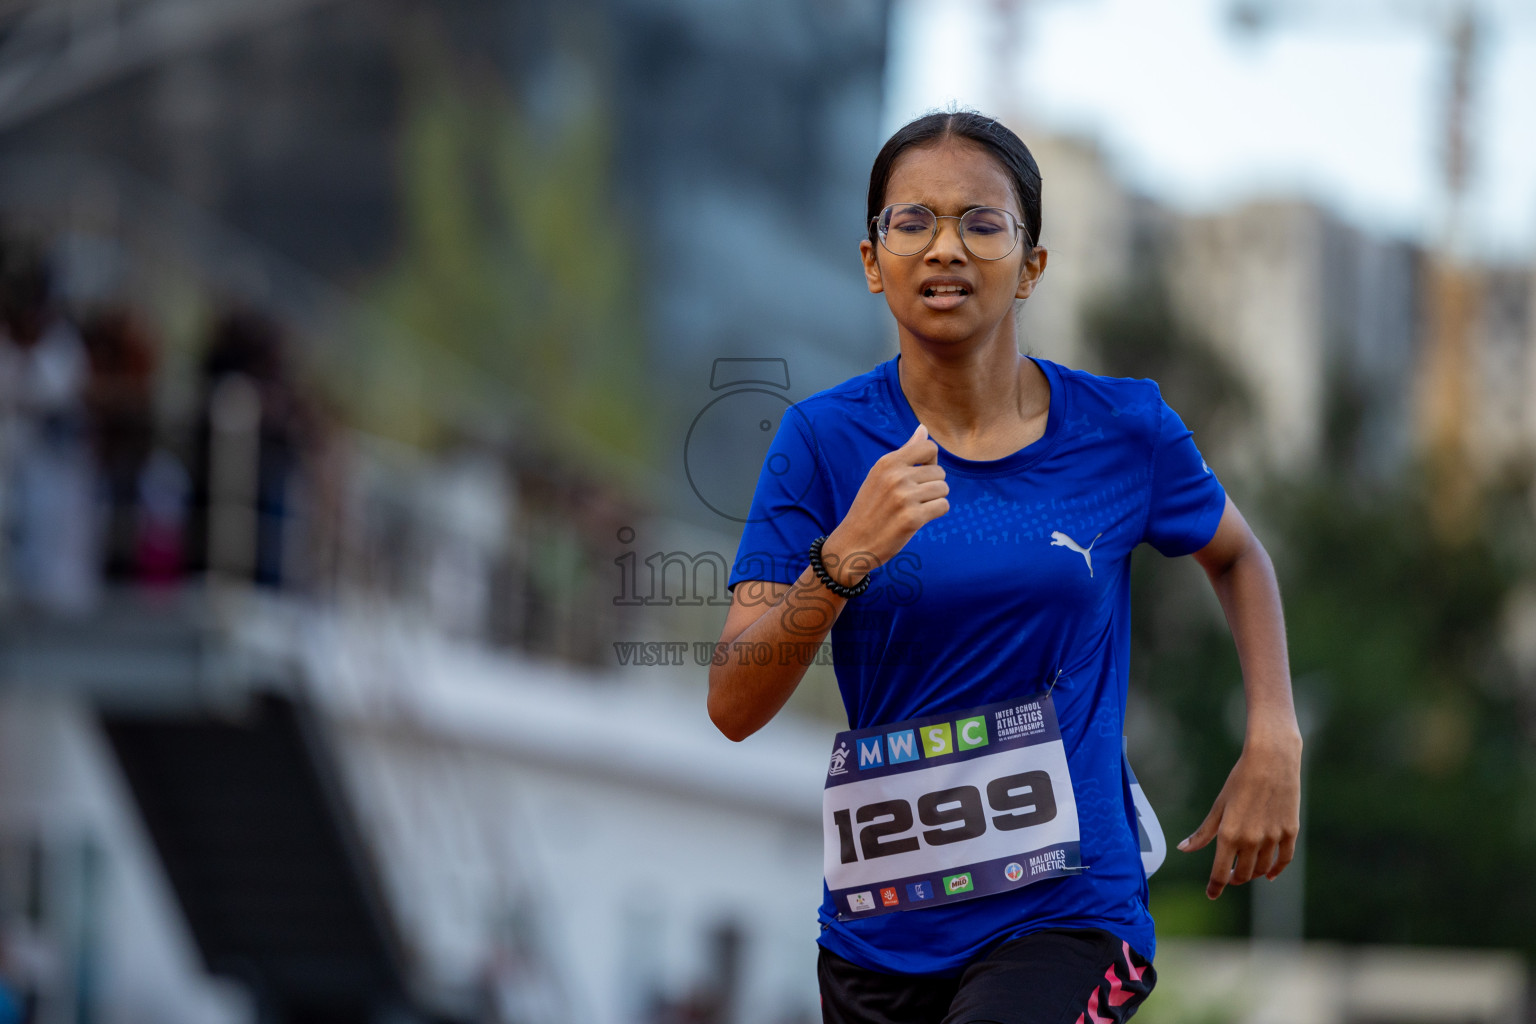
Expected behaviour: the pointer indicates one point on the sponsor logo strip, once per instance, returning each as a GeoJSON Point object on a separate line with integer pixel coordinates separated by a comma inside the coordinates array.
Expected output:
{"type": "Point", "coordinates": [985, 879]}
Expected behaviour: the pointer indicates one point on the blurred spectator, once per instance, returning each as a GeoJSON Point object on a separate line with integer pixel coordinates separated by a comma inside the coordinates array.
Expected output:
{"type": "Point", "coordinates": [164, 489]}
{"type": "Point", "coordinates": [29, 967]}
{"type": "Point", "coordinates": [120, 399]}
{"type": "Point", "coordinates": [518, 984]}
{"type": "Point", "coordinates": [46, 460]}
{"type": "Point", "coordinates": [251, 439]}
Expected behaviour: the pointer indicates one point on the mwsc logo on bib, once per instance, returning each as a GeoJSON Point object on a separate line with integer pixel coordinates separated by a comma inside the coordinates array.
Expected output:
{"type": "Point", "coordinates": [929, 742]}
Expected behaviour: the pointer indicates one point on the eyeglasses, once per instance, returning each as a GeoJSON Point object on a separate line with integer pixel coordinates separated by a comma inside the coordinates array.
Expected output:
{"type": "Point", "coordinates": [905, 229]}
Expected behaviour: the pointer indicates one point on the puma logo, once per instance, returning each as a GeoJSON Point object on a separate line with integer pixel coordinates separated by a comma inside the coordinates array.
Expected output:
{"type": "Point", "coordinates": [1061, 540]}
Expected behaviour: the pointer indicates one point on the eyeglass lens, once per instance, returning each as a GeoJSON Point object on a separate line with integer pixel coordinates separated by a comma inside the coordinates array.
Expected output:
{"type": "Point", "coordinates": [989, 233]}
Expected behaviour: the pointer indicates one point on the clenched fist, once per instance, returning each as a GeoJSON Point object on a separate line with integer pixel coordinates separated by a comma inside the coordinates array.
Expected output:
{"type": "Point", "coordinates": [903, 490]}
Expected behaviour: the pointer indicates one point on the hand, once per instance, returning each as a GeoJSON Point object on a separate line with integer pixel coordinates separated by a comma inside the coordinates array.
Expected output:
{"type": "Point", "coordinates": [903, 490]}
{"type": "Point", "coordinates": [1255, 818]}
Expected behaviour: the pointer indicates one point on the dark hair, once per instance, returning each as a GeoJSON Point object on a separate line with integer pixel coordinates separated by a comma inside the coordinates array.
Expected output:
{"type": "Point", "coordinates": [987, 132]}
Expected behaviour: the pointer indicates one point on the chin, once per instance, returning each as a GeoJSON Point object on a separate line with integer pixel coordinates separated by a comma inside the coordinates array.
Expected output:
{"type": "Point", "coordinates": [940, 330]}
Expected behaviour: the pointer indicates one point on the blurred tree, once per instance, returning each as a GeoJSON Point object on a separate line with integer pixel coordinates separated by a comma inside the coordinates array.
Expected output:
{"type": "Point", "coordinates": [515, 281]}
{"type": "Point", "coordinates": [1422, 772]}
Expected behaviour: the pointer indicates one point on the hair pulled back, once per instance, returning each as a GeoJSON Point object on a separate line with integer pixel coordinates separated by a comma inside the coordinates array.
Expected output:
{"type": "Point", "coordinates": [975, 127]}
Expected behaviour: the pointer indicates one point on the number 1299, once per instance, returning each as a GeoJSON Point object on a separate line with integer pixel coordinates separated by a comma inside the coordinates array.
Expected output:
{"type": "Point", "coordinates": [952, 816]}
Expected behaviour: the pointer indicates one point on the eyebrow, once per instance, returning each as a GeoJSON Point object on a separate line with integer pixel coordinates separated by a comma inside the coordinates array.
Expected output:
{"type": "Point", "coordinates": [935, 206]}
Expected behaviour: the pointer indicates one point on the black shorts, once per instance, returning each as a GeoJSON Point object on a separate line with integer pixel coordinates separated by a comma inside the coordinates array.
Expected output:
{"type": "Point", "coordinates": [1058, 976]}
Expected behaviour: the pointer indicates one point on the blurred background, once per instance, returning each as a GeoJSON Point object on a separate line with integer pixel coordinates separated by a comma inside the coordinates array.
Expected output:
{"type": "Point", "coordinates": [382, 388]}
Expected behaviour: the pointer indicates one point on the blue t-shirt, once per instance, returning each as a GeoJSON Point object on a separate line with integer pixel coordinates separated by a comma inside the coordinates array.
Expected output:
{"type": "Point", "coordinates": [987, 603]}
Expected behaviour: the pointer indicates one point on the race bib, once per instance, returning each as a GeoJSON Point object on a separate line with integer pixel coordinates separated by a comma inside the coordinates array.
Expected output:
{"type": "Point", "coordinates": [946, 808]}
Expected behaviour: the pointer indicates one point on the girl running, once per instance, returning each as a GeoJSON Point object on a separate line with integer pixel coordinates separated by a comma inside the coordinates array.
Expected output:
{"type": "Point", "coordinates": [961, 520]}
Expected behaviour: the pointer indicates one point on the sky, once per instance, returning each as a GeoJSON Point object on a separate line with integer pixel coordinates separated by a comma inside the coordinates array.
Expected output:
{"type": "Point", "coordinates": [1340, 101]}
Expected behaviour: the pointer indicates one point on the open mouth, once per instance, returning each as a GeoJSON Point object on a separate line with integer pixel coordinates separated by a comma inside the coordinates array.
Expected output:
{"type": "Point", "coordinates": [935, 291]}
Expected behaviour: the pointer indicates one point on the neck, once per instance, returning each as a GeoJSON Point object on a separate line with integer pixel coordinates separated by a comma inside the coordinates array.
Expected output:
{"type": "Point", "coordinates": [964, 392]}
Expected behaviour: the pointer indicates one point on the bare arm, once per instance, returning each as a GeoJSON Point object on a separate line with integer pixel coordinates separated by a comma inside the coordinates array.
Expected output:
{"type": "Point", "coordinates": [790, 618]}
{"type": "Point", "coordinates": [1256, 816]}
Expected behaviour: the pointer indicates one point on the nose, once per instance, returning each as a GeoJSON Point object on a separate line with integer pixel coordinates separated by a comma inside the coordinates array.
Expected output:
{"type": "Point", "coordinates": [947, 246]}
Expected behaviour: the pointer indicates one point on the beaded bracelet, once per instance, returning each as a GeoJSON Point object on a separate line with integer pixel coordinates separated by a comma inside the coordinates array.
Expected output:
{"type": "Point", "coordinates": [826, 578]}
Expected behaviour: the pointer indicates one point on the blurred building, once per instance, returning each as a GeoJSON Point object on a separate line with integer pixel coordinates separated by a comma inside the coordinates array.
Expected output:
{"type": "Point", "coordinates": [1319, 318]}
{"type": "Point", "coordinates": [1091, 225]}
{"type": "Point", "coordinates": [1324, 322]}
{"type": "Point", "coordinates": [748, 133]}
{"type": "Point", "coordinates": [1504, 335]}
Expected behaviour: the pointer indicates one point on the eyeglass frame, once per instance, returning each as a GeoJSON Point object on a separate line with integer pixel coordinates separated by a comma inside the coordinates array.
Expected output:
{"type": "Point", "coordinates": [1018, 225]}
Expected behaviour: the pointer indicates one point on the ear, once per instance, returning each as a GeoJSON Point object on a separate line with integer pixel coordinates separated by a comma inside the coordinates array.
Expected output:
{"type": "Point", "coordinates": [1029, 275]}
{"type": "Point", "coordinates": [871, 260]}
